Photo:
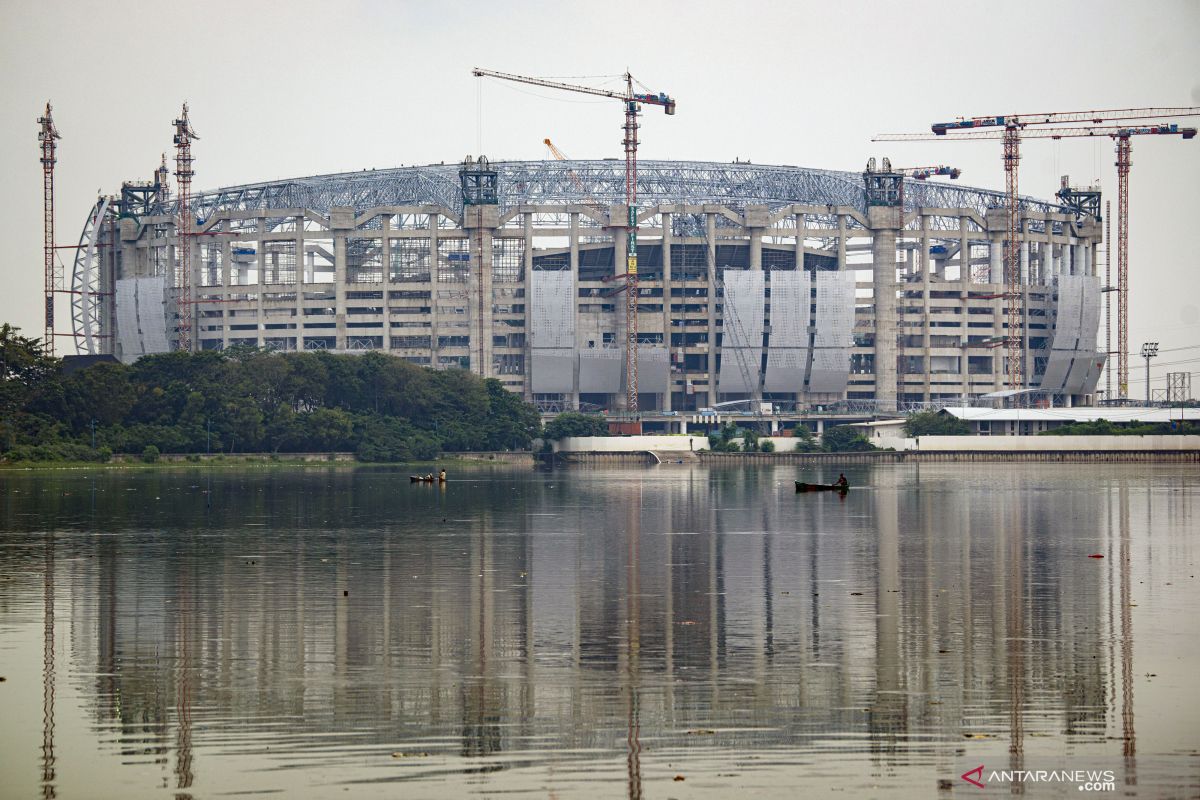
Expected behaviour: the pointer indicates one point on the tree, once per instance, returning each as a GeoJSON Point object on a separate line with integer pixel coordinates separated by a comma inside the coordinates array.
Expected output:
{"type": "Point", "coordinates": [805, 435]}
{"type": "Point", "coordinates": [511, 424]}
{"type": "Point", "coordinates": [935, 423]}
{"type": "Point", "coordinates": [844, 439]}
{"type": "Point", "coordinates": [721, 440]}
{"type": "Point", "coordinates": [572, 423]}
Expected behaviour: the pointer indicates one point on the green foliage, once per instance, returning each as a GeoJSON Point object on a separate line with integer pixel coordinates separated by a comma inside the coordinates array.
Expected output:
{"type": "Point", "coordinates": [844, 439]}
{"type": "Point", "coordinates": [572, 423]}
{"type": "Point", "coordinates": [1103, 427]}
{"type": "Point", "coordinates": [245, 400]}
{"type": "Point", "coordinates": [515, 423]}
{"type": "Point", "coordinates": [721, 440]}
{"type": "Point", "coordinates": [150, 454]}
{"type": "Point", "coordinates": [766, 446]}
{"type": "Point", "coordinates": [935, 423]}
{"type": "Point", "coordinates": [806, 441]}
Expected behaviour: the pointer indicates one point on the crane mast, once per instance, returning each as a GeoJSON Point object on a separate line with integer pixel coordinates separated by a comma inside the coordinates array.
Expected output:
{"type": "Point", "coordinates": [632, 102]}
{"type": "Point", "coordinates": [48, 137]}
{"type": "Point", "coordinates": [1124, 162]}
{"type": "Point", "coordinates": [183, 272]}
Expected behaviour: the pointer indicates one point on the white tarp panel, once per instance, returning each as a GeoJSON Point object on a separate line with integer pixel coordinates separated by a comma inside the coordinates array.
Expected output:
{"type": "Point", "coordinates": [141, 317]}
{"type": "Point", "coordinates": [787, 344]}
{"type": "Point", "coordinates": [552, 331]}
{"type": "Point", "coordinates": [654, 369]}
{"type": "Point", "coordinates": [1095, 366]}
{"type": "Point", "coordinates": [552, 309]}
{"type": "Point", "coordinates": [834, 332]}
{"type": "Point", "coordinates": [1058, 365]}
{"type": "Point", "coordinates": [602, 370]}
{"type": "Point", "coordinates": [742, 331]}
{"type": "Point", "coordinates": [1072, 357]}
{"type": "Point", "coordinates": [553, 370]}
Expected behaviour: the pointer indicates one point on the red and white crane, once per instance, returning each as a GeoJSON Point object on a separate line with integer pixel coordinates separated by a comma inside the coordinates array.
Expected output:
{"type": "Point", "coordinates": [183, 273]}
{"type": "Point", "coordinates": [632, 102]}
{"type": "Point", "coordinates": [1015, 127]}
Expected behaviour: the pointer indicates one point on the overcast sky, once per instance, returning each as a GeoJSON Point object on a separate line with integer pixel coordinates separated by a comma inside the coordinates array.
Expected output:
{"type": "Point", "coordinates": [285, 89]}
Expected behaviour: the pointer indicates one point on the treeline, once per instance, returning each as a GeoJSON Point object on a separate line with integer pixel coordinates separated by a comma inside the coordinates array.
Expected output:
{"type": "Point", "coordinates": [250, 401]}
{"type": "Point", "coordinates": [1103, 427]}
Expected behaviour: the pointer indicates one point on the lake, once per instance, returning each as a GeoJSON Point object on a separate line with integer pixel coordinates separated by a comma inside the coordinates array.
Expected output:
{"type": "Point", "coordinates": [670, 631]}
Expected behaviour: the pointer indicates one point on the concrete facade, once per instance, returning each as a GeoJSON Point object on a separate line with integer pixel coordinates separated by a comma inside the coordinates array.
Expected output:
{"type": "Point", "coordinates": [446, 287]}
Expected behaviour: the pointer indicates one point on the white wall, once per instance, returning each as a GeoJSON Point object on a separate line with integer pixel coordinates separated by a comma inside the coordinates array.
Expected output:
{"type": "Point", "coordinates": [1026, 444]}
{"type": "Point", "coordinates": [629, 444]}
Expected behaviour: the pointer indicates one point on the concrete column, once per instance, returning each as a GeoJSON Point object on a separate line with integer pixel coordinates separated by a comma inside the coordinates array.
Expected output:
{"type": "Point", "coordinates": [527, 270]}
{"type": "Point", "coordinates": [339, 288]}
{"type": "Point", "coordinates": [964, 254]}
{"type": "Point", "coordinates": [710, 260]}
{"type": "Point", "coordinates": [667, 236]}
{"type": "Point", "coordinates": [755, 220]}
{"type": "Point", "coordinates": [227, 281]}
{"type": "Point", "coordinates": [841, 245]}
{"type": "Point", "coordinates": [573, 244]}
{"type": "Point", "coordinates": [386, 232]}
{"type": "Point", "coordinates": [620, 212]}
{"type": "Point", "coordinates": [882, 222]}
{"type": "Point", "coordinates": [262, 281]}
{"type": "Point", "coordinates": [925, 275]}
{"type": "Point", "coordinates": [299, 318]}
{"type": "Point", "coordinates": [1024, 258]}
{"type": "Point", "coordinates": [433, 288]}
{"type": "Point", "coordinates": [996, 260]}
{"type": "Point", "coordinates": [801, 234]}
{"type": "Point", "coordinates": [480, 222]}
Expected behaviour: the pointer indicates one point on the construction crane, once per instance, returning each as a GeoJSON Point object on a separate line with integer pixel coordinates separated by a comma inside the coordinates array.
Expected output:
{"type": "Point", "coordinates": [183, 271]}
{"type": "Point", "coordinates": [559, 155]}
{"type": "Point", "coordinates": [1119, 134]}
{"type": "Point", "coordinates": [632, 102]}
{"type": "Point", "coordinates": [48, 136]}
{"type": "Point", "coordinates": [1015, 126]}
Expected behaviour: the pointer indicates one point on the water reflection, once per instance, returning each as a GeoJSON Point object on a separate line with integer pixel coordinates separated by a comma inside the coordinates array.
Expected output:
{"type": "Point", "coordinates": [537, 627]}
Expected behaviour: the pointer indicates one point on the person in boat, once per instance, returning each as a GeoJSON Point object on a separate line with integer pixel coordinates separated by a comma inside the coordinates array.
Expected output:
{"type": "Point", "coordinates": [442, 476]}
{"type": "Point", "coordinates": [841, 481]}
{"type": "Point", "coordinates": [429, 477]}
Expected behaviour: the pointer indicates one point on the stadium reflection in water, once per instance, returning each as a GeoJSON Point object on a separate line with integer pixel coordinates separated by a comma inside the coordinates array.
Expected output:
{"type": "Point", "coordinates": [568, 632]}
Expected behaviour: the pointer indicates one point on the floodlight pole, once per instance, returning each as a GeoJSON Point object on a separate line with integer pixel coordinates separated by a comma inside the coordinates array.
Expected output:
{"type": "Point", "coordinates": [1149, 351]}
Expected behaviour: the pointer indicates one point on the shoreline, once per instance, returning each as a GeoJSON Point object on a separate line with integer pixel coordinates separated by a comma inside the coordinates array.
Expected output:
{"type": "Point", "coordinates": [702, 457]}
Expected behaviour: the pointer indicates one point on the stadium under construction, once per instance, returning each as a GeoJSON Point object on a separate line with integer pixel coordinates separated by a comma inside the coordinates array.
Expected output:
{"type": "Point", "coordinates": [776, 284]}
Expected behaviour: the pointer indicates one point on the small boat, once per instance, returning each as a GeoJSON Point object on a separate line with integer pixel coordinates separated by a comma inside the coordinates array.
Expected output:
{"type": "Point", "coordinates": [420, 479]}
{"type": "Point", "coordinates": [822, 487]}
